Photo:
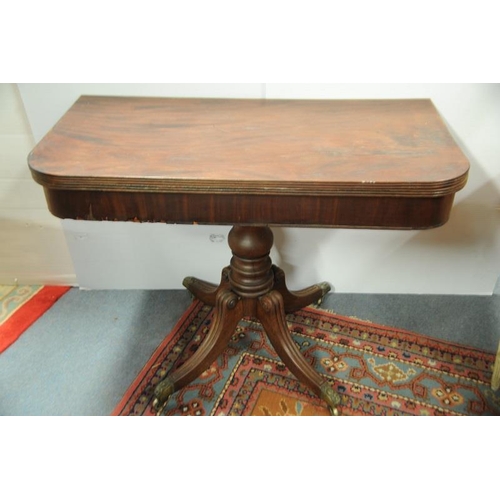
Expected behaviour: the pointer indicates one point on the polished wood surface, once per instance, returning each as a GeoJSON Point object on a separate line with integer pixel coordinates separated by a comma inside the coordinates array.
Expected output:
{"type": "Point", "coordinates": [231, 161]}
{"type": "Point", "coordinates": [238, 146]}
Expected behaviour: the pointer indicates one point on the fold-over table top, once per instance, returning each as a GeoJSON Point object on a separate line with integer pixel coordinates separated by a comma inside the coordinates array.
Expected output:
{"type": "Point", "coordinates": [245, 146]}
{"type": "Point", "coordinates": [355, 163]}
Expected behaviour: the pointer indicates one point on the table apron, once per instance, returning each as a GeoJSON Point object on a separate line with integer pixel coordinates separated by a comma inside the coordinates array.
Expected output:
{"type": "Point", "coordinates": [288, 210]}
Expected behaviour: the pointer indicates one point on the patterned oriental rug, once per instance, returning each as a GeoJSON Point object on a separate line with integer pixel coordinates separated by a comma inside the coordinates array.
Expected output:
{"type": "Point", "coordinates": [377, 370]}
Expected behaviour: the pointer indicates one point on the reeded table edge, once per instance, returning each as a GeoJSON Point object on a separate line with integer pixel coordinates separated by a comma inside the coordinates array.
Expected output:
{"type": "Point", "coordinates": [194, 186]}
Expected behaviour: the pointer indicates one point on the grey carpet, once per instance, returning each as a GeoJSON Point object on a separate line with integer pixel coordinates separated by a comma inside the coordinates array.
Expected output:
{"type": "Point", "coordinates": [469, 320]}
{"type": "Point", "coordinates": [81, 356]}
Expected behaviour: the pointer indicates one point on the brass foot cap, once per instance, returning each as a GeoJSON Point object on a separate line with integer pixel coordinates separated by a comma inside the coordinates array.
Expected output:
{"type": "Point", "coordinates": [161, 394]}
{"type": "Point", "coordinates": [331, 398]}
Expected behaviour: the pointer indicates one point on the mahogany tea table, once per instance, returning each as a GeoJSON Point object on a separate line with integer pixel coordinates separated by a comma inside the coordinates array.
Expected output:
{"type": "Point", "coordinates": [251, 164]}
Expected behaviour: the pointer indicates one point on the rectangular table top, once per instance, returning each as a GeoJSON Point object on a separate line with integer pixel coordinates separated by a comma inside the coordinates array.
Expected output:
{"type": "Point", "coordinates": [246, 150]}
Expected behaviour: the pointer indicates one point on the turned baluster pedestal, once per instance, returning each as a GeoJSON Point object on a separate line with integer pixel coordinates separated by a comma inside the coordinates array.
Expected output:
{"type": "Point", "coordinates": [251, 286]}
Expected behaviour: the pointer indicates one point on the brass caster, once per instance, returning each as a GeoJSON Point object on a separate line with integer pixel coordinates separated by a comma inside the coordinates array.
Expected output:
{"type": "Point", "coordinates": [331, 398]}
{"type": "Point", "coordinates": [334, 412]}
{"type": "Point", "coordinates": [325, 288]}
{"type": "Point", "coordinates": [187, 283]}
{"type": "Point", "coordinates": [162, 393]}
{"type": "Point", "coordinates": [157, 407]}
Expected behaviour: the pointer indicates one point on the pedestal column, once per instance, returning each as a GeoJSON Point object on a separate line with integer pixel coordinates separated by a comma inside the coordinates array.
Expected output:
{"type": "Point", "coordinates": [251, 286]}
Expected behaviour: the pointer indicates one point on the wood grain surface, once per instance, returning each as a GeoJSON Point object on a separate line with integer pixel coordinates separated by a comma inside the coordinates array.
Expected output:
{"type": "Point", "coordinates": [360, 163]}
{"type": "Point", "coordinates": [233, 146]}
{"type": "Point", "coordinates": [375, 212]}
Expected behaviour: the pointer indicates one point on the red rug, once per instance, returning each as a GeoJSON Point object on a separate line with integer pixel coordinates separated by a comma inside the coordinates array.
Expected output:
{"type": "Point", "coordinates": [21, 306]}
{"type": "Point", "coordinates": [377, 370]}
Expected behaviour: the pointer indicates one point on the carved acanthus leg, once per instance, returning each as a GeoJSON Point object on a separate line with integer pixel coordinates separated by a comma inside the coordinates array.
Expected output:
{"type": "Point", "coordinates": [293, 301]}
{"type": "Point", "coordinates": [271, 313]}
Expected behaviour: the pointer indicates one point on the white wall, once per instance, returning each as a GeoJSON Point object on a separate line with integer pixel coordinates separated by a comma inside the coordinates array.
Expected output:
{"type": "Point", "coordinates": [33, 249]}
{"type": "Point", "coordinates": [462, 257]}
